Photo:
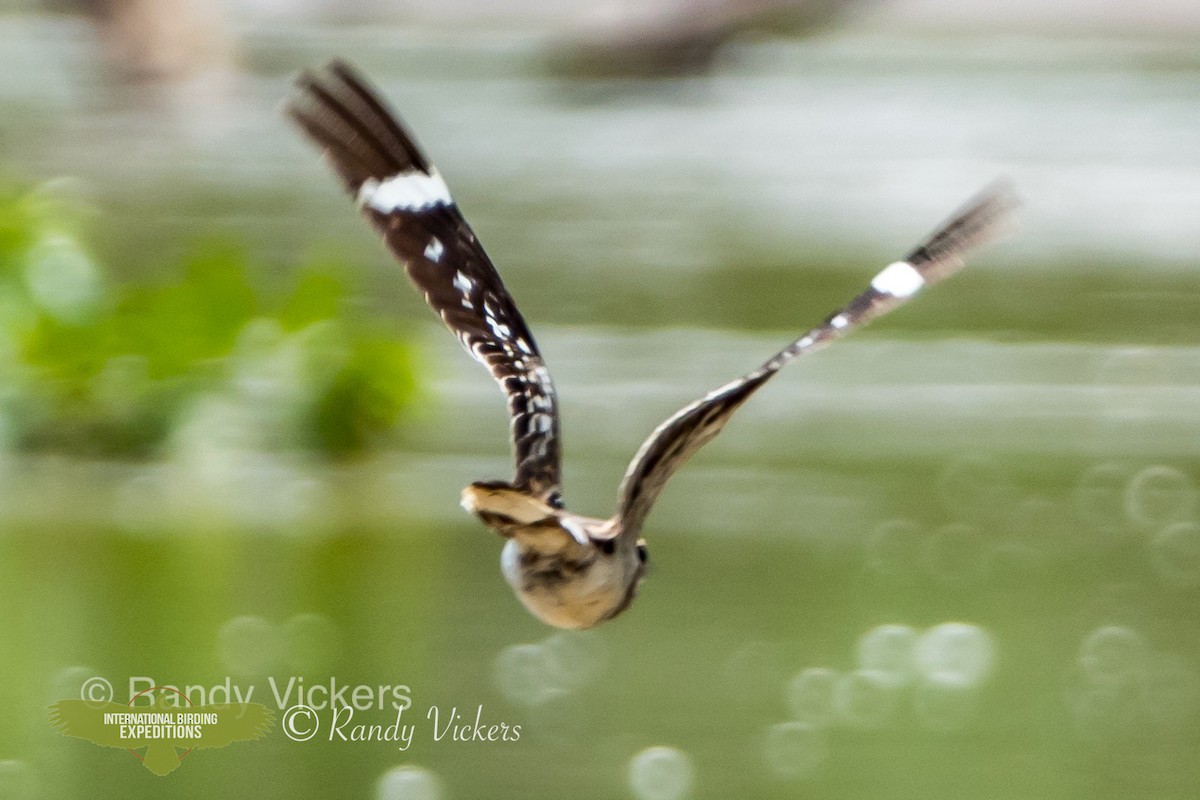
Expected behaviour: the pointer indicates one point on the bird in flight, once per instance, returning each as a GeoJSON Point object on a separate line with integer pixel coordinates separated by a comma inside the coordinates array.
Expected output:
{"type": "Point", "coordinates": [569, 570]}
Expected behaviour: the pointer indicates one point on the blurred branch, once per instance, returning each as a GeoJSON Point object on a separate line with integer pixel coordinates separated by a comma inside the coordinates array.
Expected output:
{"type": "Point", "coordinates": [680, 37]}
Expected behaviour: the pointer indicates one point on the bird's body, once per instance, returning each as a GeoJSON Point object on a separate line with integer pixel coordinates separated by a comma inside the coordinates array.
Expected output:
{"type": "Point", "coordinates": [569, 570]}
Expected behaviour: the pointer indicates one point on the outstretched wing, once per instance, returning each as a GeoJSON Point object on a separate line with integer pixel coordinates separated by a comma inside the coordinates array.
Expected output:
{"type": "Point", "coordinates": [405, 198]}
{"type": "Point", "coordinates": [674, 441]}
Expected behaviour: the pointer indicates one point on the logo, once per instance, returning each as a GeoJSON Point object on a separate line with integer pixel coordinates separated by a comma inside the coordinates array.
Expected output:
{"type": "Point", "coordinates": [165, 732]}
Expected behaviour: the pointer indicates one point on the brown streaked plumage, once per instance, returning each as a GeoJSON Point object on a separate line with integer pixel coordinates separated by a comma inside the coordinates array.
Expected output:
{"type": "Point", "coordinates": [569, 570]}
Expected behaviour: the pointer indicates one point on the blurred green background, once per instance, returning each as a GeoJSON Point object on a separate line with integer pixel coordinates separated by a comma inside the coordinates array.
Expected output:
{"type": "Point", "coordinates": [956, 555]}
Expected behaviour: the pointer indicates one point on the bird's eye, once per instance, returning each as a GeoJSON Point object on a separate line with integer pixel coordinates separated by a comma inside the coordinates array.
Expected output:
{"type": "Point", "coordinates": [643, 555]}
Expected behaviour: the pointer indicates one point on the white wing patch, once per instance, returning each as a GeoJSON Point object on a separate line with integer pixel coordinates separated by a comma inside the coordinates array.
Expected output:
{"type": "Point", "coordinates": [433, 252]}
{"type": "Point", "coordinates": [464, 286]}
{"type": "Point", "coordinates": [407, 191]}
{"type": "Point", "coordinates": [840, 321]}
{"type": "Point", "coordinates": [501, 330]}
{"type": "Point", "coordinates": [899, 280]}
{"type": "Point", "coordinates": [462, 282]}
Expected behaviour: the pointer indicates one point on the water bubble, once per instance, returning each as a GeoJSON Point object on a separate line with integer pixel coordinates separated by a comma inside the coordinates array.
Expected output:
{"type": "Point", "coordinates": [1113, 656]}
{"type": "Point", "coordinates": [661, 773]}
{"type": "Point", "coordinates": [955, 652]}
{"type": "Point", "coordinates": [533, 674]}
{"type": "Point", "coordinates": [248, 645]}
{"type": "Point", "coordinates": [810, 695]}
{"type": "Point", "coordinates": [520, 674]}
{"type": "Point", "coordinates": [408, 783]}
{"type": "Point", "coordinates": [574, 659]}
{"type": "Point", "coordinates": [1099, 496]}
{"type": "Point", "coordinates": [957, 552]}
{"type": "Point", "coordinates": [17, 781]}
{"type": "Point", "coordinates": [1159, 495]}
{"type": "Point", "coordinates": [1175, 554]}
{"type": "Point", "coordinates": [945, 706]}
{"type": "Point", "coordinates": [894, 548]}
{"type": "Point", "coordinates": [863, 699]}
{"type": "Point", "coordinates": [310, 642]}
{"type": "Point", "coordinates": [795, 750]}
{"type": "Point", "coordinates": [887, 651]}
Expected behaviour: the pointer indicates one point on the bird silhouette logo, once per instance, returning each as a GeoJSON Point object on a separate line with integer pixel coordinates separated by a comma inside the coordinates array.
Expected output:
{"type": "Point", "coordinates": [164, 733]}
